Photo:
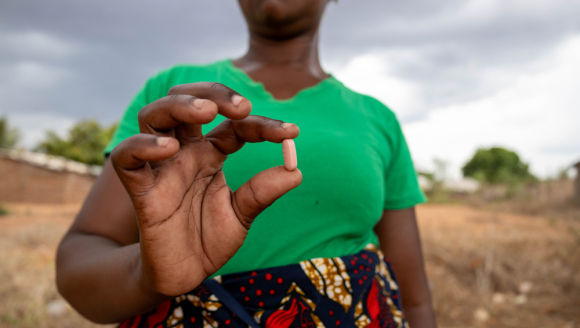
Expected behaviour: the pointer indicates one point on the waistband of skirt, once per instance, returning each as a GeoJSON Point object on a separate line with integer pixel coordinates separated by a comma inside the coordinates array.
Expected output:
{"type": "Point", "coordinates": [352, 290]}
{"type": "Point", "coordinates": [365, 262]}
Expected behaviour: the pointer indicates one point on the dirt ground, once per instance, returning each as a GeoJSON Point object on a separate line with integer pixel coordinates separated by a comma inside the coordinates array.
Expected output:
{"type": "Point", "coordinates": [486, 269]}
{"type": "Point", "coordinates": [490, 269]}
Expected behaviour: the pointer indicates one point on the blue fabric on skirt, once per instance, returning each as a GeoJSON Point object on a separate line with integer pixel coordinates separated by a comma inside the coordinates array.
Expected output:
{"type": "Point", "coordinates": [358, 291]}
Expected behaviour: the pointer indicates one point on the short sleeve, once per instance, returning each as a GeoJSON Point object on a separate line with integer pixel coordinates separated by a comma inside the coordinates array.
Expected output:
{"type": "Point", "coordinates": [401, 182]}
{"type": "Point", "coordinates": [154, 89]}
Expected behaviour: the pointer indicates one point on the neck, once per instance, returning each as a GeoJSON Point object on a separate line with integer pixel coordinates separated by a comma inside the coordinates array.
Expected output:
{"type": "Point", "coordinates": [298, 53]}
{"type": "Point", "coordinates": [283, 66]}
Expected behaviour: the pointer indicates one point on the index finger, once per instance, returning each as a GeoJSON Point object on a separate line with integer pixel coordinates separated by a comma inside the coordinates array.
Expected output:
{"type": "Point", "coordinates": [230, 103]}
{"type": "Point", "coordinates": [230, 136]}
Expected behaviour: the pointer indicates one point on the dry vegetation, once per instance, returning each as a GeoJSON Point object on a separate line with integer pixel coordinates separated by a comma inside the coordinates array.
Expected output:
{"type": "Point", "coordinates": [500, 269]}
{"type": "Point", "coordinates": [29, 235]}
{"type": "Point", "coordinates": [487, 268]}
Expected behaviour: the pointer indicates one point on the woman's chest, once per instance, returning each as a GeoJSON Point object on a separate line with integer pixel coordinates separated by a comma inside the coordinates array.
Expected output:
{"type": "Point", "coordinates": [342, 156]}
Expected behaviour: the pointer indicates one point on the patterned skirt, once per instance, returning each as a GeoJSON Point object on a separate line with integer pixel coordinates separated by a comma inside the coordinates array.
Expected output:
{"type": "Point", "coordinates": [350, 291]}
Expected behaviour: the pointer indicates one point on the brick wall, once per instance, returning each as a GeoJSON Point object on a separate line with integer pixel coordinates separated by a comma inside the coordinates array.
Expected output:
{"type": "Point", "coordinates": [577, 193]}
{"type": "Point", "coordinates": [24, 182]}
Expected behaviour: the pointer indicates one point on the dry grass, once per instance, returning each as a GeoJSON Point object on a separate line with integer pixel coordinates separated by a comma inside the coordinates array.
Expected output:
{"type": "Point", "coordinates": [500, 269]}
{"type": "Point", "coordinates": [487, 269]}
{"type": "Point", "coordinates": [29, 236]}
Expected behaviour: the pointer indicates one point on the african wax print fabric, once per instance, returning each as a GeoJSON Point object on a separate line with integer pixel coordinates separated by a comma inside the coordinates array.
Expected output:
{"type": "Point", "coordinates": [357, 291]}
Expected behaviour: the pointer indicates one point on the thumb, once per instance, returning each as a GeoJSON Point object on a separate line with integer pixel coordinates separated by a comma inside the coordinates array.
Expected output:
{"type": "Point", "coordinates": [262, 190]}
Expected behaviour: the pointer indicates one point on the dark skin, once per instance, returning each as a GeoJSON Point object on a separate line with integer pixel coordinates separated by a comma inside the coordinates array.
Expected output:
{"type": "Point", "coordinates": [160, 219]}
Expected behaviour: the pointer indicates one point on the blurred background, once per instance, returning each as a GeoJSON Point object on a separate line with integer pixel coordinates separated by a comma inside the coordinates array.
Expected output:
{"type": "Point", "coordinates": [486, 91]}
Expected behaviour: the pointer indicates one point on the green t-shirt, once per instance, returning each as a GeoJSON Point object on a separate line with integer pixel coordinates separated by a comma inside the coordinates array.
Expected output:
{"type": "Point", "coordinates": [351, 151]}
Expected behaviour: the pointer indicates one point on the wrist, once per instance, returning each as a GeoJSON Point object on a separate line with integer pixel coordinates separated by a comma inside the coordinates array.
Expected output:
{"type": "Point", "coordinates": [145, 284]}
{"type": "Point", "coordinates": [155, 283]}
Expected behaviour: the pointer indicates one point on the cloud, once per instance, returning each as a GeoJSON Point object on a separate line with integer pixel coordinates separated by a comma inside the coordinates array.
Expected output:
{"type": "Point", "coordinates": [26, 86]}
{"type": "Point", "coordinates": [440, 46]}
{"type": "Point", "coordinates": [420, 57]}
{"type": "Point", "coordinates": [111, 48]}
{"type": "Point", "coordinates": [372, 74]}
{"type": "Point", "coordinates": [35, 44]}
{"type": "Point", "coordinates": [33, 127]}
{"type": "Point", "coordinates": [31, 75]}
{"type": "Point", "coordinates": [449, 46]}
{"type": "Point", "coordinates": [537, 116]}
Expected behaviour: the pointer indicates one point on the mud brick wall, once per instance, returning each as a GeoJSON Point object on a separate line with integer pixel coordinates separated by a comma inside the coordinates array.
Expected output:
{"type": "Point", "coordinates": [26, 183]}
{"type": "Point", "coordinates": [577, 194]}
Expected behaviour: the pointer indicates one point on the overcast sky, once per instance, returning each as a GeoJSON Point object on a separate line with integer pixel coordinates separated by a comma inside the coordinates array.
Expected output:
{"type": "Point", "coordinates": [460, 74]}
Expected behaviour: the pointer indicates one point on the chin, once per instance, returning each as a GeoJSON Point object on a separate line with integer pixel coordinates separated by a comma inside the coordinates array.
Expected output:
{"type": "Point", "coordinates": [278, 13]}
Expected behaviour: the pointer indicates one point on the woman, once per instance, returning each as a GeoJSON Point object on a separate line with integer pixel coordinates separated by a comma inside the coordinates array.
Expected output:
{"type": "Point", "coordinates": [358, 192]}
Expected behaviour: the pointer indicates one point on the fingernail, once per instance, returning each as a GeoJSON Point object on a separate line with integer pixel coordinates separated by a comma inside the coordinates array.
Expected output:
{"type": "Point", "coordinates": [287, 125]}
{"type": "Point", "coordinates": [237, 99]}
{"type": "Point", "coordinates": [163, 141]}
{"type": "Point", "coordinates": [197, 103]}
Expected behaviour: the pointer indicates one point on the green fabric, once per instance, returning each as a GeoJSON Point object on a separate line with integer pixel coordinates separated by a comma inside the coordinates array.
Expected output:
{"type": "Point", "coordinates": [351, 151]}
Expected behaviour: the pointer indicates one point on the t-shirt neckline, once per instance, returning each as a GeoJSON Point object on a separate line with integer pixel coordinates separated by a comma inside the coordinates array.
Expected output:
{"type": "Point", "coordinates": [260, 91]}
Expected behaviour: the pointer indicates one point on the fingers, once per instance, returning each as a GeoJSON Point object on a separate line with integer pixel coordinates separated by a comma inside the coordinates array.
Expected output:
{"type": "Point", "coordinates": [229, 136]}
{"type": "Point", "coordinates": [230, 103]}
{"type": "Point", "coordinates": [161, 116]}
{"type": "Point", "coordinates": [187, 106]}
{"type": "Point", "coordinates": [130, 157]}
{"type": "Point", "coordinates": [262, 190]}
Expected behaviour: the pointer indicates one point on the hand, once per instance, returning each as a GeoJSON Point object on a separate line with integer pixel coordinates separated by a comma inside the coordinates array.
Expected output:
{"type": "Point", "coordinates": [190, 221]}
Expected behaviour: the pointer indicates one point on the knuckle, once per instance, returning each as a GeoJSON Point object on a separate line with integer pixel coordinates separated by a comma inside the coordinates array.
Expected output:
{"type": "Point", "coordinates": [175, 90]}
{"type": "Point", "coordinates": [246, 221]}
{"type": "Point", "coordinates": [215, 86]}
{"type": "Point", "coordinates": [220, 88]}
{"type": "Point", "coordinates": [264, 122]}
{"type": "Point", "coordinates": [258, 204]}
{"type": "Point", "coordinates": [272, 122]}
{"type": "Point", "coordinates": [142, 115]}
{"type": "Point", "coordinates": [114, 156]}
{"type": "Point", "coordinates": [117, 154]}
{"type": "Point", "coordinates": [264, 119]}
{"type": "Point", "coordinates": [161, 104]}
{"type": "Point", "coordinates": [228, 123]}
{"type": "Point", "coordinates": [176, 98]}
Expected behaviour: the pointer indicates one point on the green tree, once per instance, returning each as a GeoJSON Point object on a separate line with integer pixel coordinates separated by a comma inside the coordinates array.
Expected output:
{"type": "Point", "coordinates": [84, 143]}
{"type": "Point", "coordinates": [8, 136]}
{"type": "Point", "coordinates": [497, 165]}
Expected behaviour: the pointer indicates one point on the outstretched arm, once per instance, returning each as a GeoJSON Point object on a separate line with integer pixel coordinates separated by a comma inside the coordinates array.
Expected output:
{"type": "Point", "coordinates": [399, 240]}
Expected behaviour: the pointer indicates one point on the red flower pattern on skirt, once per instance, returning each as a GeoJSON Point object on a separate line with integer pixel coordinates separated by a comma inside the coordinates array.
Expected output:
{"type": "Point", "coordinates": [359, 290]}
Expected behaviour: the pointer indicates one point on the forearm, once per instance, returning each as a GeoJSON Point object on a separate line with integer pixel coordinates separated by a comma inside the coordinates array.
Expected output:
{"type": "Point", "coordinates": [415, 296]}
{"type": "Point", "coordinates": [399, 240]}
{"type": "Point", "coordinates": [420, 316]}
{"type": "Point", "coordinates": [102, 280]}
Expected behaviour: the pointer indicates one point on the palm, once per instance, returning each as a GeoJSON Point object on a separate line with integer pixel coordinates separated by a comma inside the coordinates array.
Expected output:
{"type": "Point", "coordinates": [190, 221]}
{"type": "Point", "coordinates": [189, 193]}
